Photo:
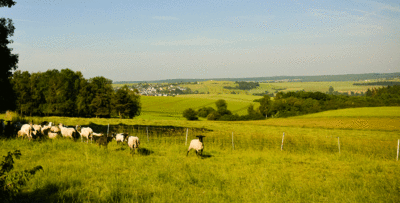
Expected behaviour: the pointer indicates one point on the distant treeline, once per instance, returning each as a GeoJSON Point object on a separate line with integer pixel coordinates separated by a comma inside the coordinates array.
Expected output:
{"type": "Point", "coordinates": [383, 83]}
{"type": "Point", "coordinates": [244, 85]}
{"type": "Point", "coordinates": [299, 103]}
{"type": "Point", "coordinates": [347, 77]}
{"type": "Point", "coordinates": [67, 93]}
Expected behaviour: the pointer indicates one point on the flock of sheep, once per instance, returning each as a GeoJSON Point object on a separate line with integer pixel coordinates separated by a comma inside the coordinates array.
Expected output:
{"type": "Point", "coordinates": [48, 130]}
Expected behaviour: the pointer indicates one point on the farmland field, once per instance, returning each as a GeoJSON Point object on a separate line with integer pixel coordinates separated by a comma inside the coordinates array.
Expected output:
{"type": "Point", "coordinates": [253, 169]}
{"type": "Point", "coordinates": [171, 108]}
{"type": "Point", "coordinates": [217, 87]}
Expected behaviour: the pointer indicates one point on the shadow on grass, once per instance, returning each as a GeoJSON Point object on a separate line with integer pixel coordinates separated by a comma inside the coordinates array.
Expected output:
{"type": "Point", "coordinates": [122, 148]}
{"type": "Point", "coordinates": [142, 151]}
{"type": "Point", "coordinates": [49, 193]}
{"type": "Point", "coordinates": [205, 156]}
{"type": "Point", "coordinates": [61, 192]}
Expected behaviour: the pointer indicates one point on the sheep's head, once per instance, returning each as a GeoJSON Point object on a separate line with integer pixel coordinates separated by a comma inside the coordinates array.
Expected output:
{"type": "Point", "coordinates": [200, 137]}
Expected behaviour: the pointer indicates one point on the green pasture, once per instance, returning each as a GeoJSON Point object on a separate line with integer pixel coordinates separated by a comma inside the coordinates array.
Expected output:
{"type": "Point", "coordinates": [342, 86]}
{"type": "Point", "coordinates": [171, 108]}
{"type": "Point", "coordinates": [309, 168]}
{"type": "Point", "coordinates": [359, 112]}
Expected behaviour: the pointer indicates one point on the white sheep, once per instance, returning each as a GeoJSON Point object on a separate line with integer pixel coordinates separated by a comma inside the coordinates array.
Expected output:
{"type": "Point", "coordinates": [133, 142]}
{"type": "Point", "coordinates": [52, 135]}
{"type": "Point", "coordinates": [197, 145]}
{"type": "Point", "coordinates": [27, 130]}
{"type": "Point", "coordinates": [67, 132]}
{"type": "Point", "coordinates": [46, 129]}
{"type": "Point", "coordinates": [55, 129]}
{"type": "Point", "coordinates": [120, 137]}
{"type": "Point", "coordinates": [37, 129]}
{"type": "Point", "coordinates": [84, 132]}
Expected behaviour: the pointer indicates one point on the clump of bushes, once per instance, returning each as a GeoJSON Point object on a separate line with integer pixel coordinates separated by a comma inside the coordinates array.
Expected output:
{"type": "Point", "coordinates": [12, 182]}
{"type": "Point", "coordinates": [222, 113]}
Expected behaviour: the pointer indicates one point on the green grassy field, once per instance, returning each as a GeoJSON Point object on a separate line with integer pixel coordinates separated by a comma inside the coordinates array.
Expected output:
{"type": "Point", "coordinates": [171, 108]}
{"type": "Point", "coordinates": [308, 169]}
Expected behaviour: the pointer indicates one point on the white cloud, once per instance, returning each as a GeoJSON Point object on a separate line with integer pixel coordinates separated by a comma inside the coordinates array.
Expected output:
{"type": "Point", "coordinates": [165, 18]}
{"type": "Point", "coordinates": [391, 8]}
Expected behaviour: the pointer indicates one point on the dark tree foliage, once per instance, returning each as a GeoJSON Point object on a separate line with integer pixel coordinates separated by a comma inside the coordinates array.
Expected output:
{"type": "Point", "coordinates": [126, 103]}
{"type": "Point", "coordinates": [299, 103]}
{"type": "Point", "coordinates": [101, 103]}
{"type": "Point", "coordinates": [11, 182]}
{"type": "Point", "coordinates": [265, 105]}
{"type": "Point", "coordinates": [8, 60]}
{"type": "Point", "coordinates": [190, 114]}
{"type": "Point", "coordinates": [242, 85]}
{"type": "Point", "coordinates": [203, 112]}
{"type": "Point", "coordinates": [67, 93]}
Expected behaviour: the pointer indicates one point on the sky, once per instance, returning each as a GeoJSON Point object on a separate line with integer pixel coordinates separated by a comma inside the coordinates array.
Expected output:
{"type": "Point", "coordinates": [152, 40]}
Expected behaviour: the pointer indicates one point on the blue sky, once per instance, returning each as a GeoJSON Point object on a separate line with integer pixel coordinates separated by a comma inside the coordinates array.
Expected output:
{"type": "Point", "coordinates": [151, 40]}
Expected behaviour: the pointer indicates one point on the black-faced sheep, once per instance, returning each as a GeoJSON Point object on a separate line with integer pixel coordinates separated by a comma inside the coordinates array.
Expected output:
{"type": "Point", "coordinates": [197, 145]}
{"type": "Point", "coordinates": [120, 137]}
{"type": "Point", "coordinates": [104, 140]}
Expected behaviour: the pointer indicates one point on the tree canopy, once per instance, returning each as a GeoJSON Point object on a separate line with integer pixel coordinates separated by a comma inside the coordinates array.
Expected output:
{"type": "Point", "coordinates": [67, 93]}
{"type": "Point", "coordinates": [8, 60]}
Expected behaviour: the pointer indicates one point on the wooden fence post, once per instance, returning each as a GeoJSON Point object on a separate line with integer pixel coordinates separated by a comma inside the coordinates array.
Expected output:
{"type": "Point", "coordinates": [187, 131]}
{"type": "Point", "coordinates": [147, 131]}
{"type": "Point", "coordinates": [233, 144]}
{"type": "Point", "coordinates": [283, 137]}
{"type": "Point", "coordinates": [338, 144]}
{"type": "Point", "coordinates": [108, 128]}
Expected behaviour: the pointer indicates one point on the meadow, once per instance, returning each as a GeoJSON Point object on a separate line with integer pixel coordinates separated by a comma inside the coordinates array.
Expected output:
{"type": "Point", "coordinates": [309, 168]}
{"type": "Point", "coordinates": [171, 108]}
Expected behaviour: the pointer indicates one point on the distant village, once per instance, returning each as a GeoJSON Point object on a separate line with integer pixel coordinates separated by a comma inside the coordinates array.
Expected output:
{"type": "Point", "coordinates": [160, 90]}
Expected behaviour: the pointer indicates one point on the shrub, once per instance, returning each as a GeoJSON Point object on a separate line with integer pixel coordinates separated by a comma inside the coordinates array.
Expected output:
{"type": "Point", "coordinates": [190, 114]}
{"type": "Point", "coordinates": [11, 183]}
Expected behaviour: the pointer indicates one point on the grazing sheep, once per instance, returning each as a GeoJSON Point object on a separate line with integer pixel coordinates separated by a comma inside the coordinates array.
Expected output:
{"type": "Point", "coordinates": [37, 129]}
{"type": "Point", "coordinates": [133, 142]}
{"type": "Point", "coordinates": [27, 130]}
{"type": "Point", "coordinates": [55, 129]}
{"type": "Point", "coordinates": [46, 129]}
{"type": "Point", "coordinates": [20, 133]}
{"type": "Point", "coordinates": [197, 145]}
{"type": "Point", "coordinates": [67, 132]}
{"type": "Point", "coordinates": [120, 137]}
{"type": "Point", "coordinates": [104, 140]}
{"type": "Point", "coordinates": [84, 132]}
{"type": "Point", "coordinates": [52, 135]}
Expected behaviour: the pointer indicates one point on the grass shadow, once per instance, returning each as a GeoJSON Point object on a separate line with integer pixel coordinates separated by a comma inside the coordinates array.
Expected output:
{"type": "Point", "coordinates": [121, 149]}
{"type": "Point", "coordinates": [205, 156]}
{"type": "Point", "coordinates": [49, 193]}
{"type": "Point", "coordinates": [144, 151]}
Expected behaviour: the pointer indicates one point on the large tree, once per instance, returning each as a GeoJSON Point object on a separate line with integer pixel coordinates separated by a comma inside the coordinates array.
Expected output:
{"type": "Point", "coordinates": [8, 60]}
{"type": "Point", "coordinates": [126, 103]}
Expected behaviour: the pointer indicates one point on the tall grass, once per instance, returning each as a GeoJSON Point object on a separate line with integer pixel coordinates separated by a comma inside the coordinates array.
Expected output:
{"type": "Point", "coordinates": [308, 169]}
{"type": "Point", "coordinates": [80, 172]}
